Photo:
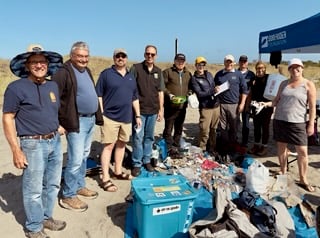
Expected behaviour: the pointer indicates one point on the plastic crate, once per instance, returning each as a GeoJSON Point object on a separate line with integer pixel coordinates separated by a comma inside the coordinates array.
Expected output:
{"type": "Point", "coordinates": [162, 206]}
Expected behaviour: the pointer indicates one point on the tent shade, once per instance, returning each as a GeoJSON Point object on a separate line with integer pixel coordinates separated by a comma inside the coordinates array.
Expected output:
{"type": "Point", "coordinates": [299, 37]}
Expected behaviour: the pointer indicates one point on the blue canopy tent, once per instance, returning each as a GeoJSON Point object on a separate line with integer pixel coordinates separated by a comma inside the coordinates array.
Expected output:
{"type": "Point", "coordinates": [300, 37]}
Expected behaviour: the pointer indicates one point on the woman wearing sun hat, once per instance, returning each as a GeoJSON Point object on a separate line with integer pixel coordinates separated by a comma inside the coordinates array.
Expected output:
{"type": "Point", "coordinates": [30, 111]}
{"type": "Point", "coordinates": [294, 96]}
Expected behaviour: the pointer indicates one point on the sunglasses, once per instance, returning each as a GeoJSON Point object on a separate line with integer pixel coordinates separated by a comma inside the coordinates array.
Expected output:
{"type": "Point", "coordinates": [150, 54]}
{"type": "Point", "coordinates": [121, 55]}
{"type": "Point", "coordinates": [201, 64]}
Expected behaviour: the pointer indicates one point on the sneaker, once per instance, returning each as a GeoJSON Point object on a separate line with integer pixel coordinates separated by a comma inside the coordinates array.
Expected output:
{"type": "Point", "coordinates": [85, 192]}
{"type": "Point", "coordinates": [54, 225]}
{"type": "Point", "coordinates": [39, 234]}
{"type": "Point", "coordinates": [149, 167]}
{"type": "Point", "coordinates": [74, 204]}
{"type": "Point", "coordinates": [136, 171]}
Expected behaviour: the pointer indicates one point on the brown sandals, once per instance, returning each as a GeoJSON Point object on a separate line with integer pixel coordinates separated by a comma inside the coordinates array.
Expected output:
{"type": "Point", "coordinates": [122, 176]}
{"type": "Point", "coordinates": [307, 187]}
{"type": "Point", "coordinates": [108, 186]}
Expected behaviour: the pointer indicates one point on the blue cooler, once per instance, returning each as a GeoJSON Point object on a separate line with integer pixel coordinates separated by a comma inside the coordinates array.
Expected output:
{"type": "Point", "coordinates": [162, 206]}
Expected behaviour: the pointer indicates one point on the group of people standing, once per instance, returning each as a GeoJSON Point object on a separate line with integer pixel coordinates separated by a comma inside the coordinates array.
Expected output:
{"type": "Point", "coordinates": [128, 102]}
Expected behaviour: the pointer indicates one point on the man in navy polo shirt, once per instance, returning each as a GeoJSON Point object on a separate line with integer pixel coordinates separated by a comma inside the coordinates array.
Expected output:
{"type": "Point", "coordinates": [30, 111]}
{"type": "Point", "coordinates": [232, 100]}
{"type": "Point", "coordinates": [118, 94]}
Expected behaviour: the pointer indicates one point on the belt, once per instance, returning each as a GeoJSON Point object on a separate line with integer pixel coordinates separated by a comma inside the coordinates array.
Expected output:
{"type": "Point", "coordinates": [40, 137]}
{"type": "Point", "coordinates": [86, 115]}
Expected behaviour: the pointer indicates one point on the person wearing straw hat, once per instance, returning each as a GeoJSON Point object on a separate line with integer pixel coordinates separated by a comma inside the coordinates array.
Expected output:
{"type": "Point", "coordinates": [30, 112]}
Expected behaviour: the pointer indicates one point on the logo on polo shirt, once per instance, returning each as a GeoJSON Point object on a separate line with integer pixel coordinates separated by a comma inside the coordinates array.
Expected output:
{"type": "Point", "coordinates": [53, 97]}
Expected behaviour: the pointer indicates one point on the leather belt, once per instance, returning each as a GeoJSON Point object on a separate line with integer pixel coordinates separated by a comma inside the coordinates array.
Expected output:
{"type": "Point", "coordinates": [40, 137]}
{"type": "Point", "coordinates": [86, 115]}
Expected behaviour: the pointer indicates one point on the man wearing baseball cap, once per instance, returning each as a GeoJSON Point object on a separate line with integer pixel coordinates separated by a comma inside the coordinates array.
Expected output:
{"type": "Point", "coordinates": [119, 98]}
{"type": "Point", "coordinates": [232, 101]}
{"type": "Point", "coordinates": [245, 115]}
{"type": "Point", "coordinates": [177, 87]}
{"type": "Point", "coordinates": [30, 111]}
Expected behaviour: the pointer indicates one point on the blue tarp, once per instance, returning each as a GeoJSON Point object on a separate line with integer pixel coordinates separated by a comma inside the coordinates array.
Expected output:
{"type": "Point", "coordinates": [299, 37]}
{"type": "Point", "coordinates": [203, 205]}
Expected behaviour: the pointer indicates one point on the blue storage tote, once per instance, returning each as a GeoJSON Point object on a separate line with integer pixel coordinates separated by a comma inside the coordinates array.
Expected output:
{"type": "Point", "coordinates": [162, 206]}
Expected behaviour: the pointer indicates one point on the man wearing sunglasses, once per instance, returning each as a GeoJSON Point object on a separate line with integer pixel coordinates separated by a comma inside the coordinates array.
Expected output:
{"type": "Point", "coordinates": [118, 94]}
{"type": "Point", "coordinates": [150, 87]}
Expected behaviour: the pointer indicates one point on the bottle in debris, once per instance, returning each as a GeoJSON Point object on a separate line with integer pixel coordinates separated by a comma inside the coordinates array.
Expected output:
{"type": "Point", "coordinates": [197, 183]}
{"type": "Point", "coordinates": [155, 155]}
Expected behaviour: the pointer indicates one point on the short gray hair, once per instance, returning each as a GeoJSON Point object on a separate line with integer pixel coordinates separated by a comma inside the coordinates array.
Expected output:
{"type": "Point", "coordinates": [79, 45]}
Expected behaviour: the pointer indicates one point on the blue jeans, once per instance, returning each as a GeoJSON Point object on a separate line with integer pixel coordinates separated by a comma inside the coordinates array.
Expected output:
{"type": "Point", "coordinates": [41, 179]}
{"type": "Point", "coordinates": [143, 141]}
{"type": "Point", "coordinates": [79, 144]}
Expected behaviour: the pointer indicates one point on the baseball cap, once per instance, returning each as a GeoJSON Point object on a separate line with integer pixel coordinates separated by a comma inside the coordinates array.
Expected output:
{"type": "Point", "coordinates": [119, 50]}
{"type": "Point", "coordinates": [229, 57]}
{"type": "Point", "coordinates": [243, 58]}
{"type": "Point", "coordinates": [200, 59]}
{"type": "Point", "coordinates": [295, 61]}
{"type": "Point", "coordinates": [180, 56]}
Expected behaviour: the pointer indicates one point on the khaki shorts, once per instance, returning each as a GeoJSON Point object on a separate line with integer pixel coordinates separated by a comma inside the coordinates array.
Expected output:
{"type": "Point", "coordinates": [112, 131]}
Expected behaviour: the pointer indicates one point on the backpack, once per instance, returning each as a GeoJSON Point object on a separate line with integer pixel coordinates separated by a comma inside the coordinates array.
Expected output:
{"type": "Point", "coordinates": [262, 214]}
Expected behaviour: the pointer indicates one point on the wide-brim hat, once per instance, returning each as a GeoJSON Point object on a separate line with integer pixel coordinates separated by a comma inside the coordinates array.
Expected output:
{"type": "Point", "coordinates": [18, 63]}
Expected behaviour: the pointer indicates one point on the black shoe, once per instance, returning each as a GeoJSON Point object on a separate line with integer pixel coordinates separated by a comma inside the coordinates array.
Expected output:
{"type": "Point", "coordinates": [149, 167]}
{"type": "Point", "coordinates": [136, 171]}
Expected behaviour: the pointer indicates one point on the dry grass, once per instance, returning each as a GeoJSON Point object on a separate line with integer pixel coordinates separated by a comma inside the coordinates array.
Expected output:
{"type": "Point", "coordinates": [97, 64]}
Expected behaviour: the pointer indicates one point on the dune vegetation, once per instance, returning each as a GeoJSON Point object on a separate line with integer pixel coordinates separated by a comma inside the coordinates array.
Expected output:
{"type": "Point", "coordinates": [97, 64]}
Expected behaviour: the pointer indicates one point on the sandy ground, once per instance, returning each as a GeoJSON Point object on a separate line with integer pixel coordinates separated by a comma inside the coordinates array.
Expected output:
{"type": "Point", "coordinates": [105, 216]}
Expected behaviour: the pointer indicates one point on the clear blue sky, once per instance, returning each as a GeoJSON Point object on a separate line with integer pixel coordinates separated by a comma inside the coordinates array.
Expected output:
{"type": "Point", "coordinates": [211, 28]}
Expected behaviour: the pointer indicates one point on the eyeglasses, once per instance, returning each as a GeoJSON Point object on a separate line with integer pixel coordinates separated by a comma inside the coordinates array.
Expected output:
{"type": "Point", "coordinates": [121, 55]}
{"type": "Point", "coordinates": [150, 54]}
{"type": "Point", "coordinates": [35, 62]}
{"type": "Point", "coordinates": [201, 64]}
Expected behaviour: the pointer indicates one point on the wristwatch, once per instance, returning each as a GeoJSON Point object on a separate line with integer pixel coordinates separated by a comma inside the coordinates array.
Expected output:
{"type": "Point", "coordinates": [138, 116]}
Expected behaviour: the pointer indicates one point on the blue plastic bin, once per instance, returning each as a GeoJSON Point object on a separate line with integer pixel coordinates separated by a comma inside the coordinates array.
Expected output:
{"type": "Point", "coordinates": [162, 206]}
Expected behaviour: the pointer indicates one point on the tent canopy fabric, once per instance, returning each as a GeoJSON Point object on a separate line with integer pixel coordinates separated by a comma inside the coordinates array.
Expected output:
{"type": "Point", "coordinates": [300, 37]}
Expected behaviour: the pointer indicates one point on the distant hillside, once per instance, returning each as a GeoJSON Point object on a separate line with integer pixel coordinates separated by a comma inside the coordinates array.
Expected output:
{"type": "Point", "coordinates": [97, 64]}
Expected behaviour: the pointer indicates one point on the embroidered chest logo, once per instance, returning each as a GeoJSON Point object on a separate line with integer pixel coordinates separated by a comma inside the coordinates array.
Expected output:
{"type": "Point", "coordinates": [53, 97]}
